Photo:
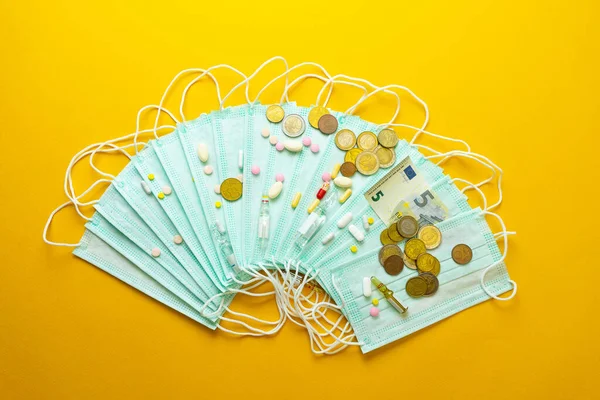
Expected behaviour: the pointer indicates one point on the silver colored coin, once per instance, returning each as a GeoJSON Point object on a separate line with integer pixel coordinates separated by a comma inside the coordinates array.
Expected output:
{"type": "Point", "coordinates": [293, 125]}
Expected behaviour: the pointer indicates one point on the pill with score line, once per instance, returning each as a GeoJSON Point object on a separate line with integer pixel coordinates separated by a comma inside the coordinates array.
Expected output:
{"type": "Point", "coordinates": [357, 233]}
{"type": "Point", "coordinates": [345, 220]}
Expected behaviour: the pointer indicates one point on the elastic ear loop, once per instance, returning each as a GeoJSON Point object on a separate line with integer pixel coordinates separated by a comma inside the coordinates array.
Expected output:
{"type": "Point", "coordinates": [435, 135]}
{"type": "Point", "coordinates": [327, 82]}
{"type": "Point", "coordinates": [505, 234]}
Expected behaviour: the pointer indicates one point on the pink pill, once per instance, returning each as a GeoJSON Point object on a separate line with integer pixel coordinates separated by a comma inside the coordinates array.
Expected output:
{"type": "Point", "coordinates": [306, 141]}
{"type": "Point", "coordinates": [279, 177]}
{"type": "Point", "coordinates": [279, 146]}
{"type": "Point", "coordinates": [374, 311]}
{"type": "Point", "coordinates": [314, 148]}
{"type": "Point", "coordinates": [255, 170]}
{"type": "Point", "coordinates": [326, 176]}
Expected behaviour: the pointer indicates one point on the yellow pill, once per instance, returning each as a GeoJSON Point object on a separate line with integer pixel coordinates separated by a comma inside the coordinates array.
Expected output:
{"type": "Point", "coordinates": [375, 302]}
{"type": "Point", "coordinates": [151, 177]}
{"type": "Point", "coordinates": [335, 171]}
{"type": "Point", "coordinates": [296, 199]}
{"type": "Point", "coordinates": [370, 220]}
{"type": "Point", "coordinates": [161, 195]}
{"type": "Point", "coordinates": [353, 249]}
{"type": "Point", "coordinates": [313, 205]}
{"type": "Point", "coordinates": [345, 195]}
{"type": "Point", "coordinates": [218, 204]}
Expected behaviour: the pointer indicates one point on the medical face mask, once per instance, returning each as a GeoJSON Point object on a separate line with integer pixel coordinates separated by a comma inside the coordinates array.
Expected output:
{"type": "Point", "coordinates": [97, 252]}
{"type": "Point", "coordinates": [459, 285]}
{"type": "Point", "coordinates": [115, 209]}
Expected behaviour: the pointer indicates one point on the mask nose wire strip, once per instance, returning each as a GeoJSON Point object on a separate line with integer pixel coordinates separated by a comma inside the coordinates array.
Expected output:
{"type": "Point", "coordinates": [482, 279]}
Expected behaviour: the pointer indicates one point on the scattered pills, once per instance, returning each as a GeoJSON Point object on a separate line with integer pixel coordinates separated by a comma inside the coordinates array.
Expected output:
{"type": "Point", "coordinates": [296, 200]}
{"type": "Point", "coordinates": [155, 252]}
{"type": "Point", "coordinates": [314, 148]}
{"type": "Point", "coordinates": [374, 311]}
{"type": "Point", "coordinates": [306, 141]}
{"type": "Point", "coordinates": [326, 177]}
{"type": "Point", "coordinates": [218, 204]}
{"type": "Point", "coordinates": [273, 140]}
{"type": "Point", "coordinates": [241, 159]}
{"type": "Point", "coordinates": [279, 146]}
{"type": "Point", "coordinates": [208, 170]}
{"type": "Point", "coordinates": [255, 170]}
{"type": "Point", "coordinates": [177, 239]}
{"type": "Point", "coordinates": [265, 133]}
{"type": "Point", "coordinates": [367, 286]}
{"type": "Point", "coordinates": [345, 196]}
{"type": "Point", "coordinates": [203, 152]}
{"type": "Point", "coordinates": [328, 238]}
{"type": "Point", "coordinates": [366, 224]}
{"type": "Point", "coordinates": [313, 205]}
{"type": "Point", "coordinates": [375, 302]}
{"type": "Point", "coordinates": [150, 177]}
{"type": "Point", "coordinates": [353, 249]}
{"type": "Point", "coordinates": [279, 177]}
{"type": "Point", "coordinates": [218, 189]}
{"type": "Point", "coordinates": [167, 190]}
{"type": "Point", "coordinates": [335, 171]}
{"type": "Point", "coordinates": [146, 187]}
{"type": "Point", "coordinates": [161, 195]}
{"type": "Point", "coordinates": [343, 182]}
{"type": "Point", "coordinates": [370, 220]}
{"type": "Point", "coordinates": [275, 189]}
{"type": "Point", "coordinates": [345, 220]}
{"type": "Point", "coordinates": [356, 233]}
{"type": "Point", "coordinates": [293, 145]}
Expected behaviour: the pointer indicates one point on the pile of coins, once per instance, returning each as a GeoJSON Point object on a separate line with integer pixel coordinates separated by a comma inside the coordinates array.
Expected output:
{"type": "Point", "coordinates": [367, 152]}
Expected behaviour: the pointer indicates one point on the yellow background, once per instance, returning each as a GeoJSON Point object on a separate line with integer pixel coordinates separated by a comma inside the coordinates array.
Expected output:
{"type": "Point", "coordinates": [518, 80]}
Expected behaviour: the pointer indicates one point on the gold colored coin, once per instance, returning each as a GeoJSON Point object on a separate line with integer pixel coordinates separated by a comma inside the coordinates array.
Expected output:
{"type": "Point", "coordinates": [462, 254]}
{"type": "Point", "coordinates": [345, 139]}
{"type": "Point", "coordinates": [367, 163]}
{"type": "Point", "coordinates": [426, 262]}
{"type": "Point", "coordinates": [393, 233]}
{"type": "Point", "coordinates": [314, 114]}
{"type": "Point", "coordinates": [351, 155]}
{"type": "Point", "coordinates": [367, 141]}
{"type": "Point", "coordinates": [293, 125]}
{"type": "Point", "coordinates": [408, 226]}
{"type": "Point", "coordinates": [384, 238]}
{"type": "Point", "coordinates": [393, 265]}
{"type": "Point", "coordinates": [231, 189]}
{"type": "Point", "coordinates": [386, 157]}
{"type": "Point", "coordinates": [388, 250]}
{"type": "Point", "coordinates": [387, 138]}
{"type": "Point", "coordinates": [275, 113]}
{"type": "Point", "coordinates": [408, 262]}
{"type": "Point", "coordinates": [348, 169]}
{"type": "Point", "coordinates": [431, 236]}
{"type": "Point", "coordinates": [416, 286]}
{"type": "Point", "coordinates": [432, 283]}
{"type": "Point", "coordinates": [414, 248]}
{"type": "Point", "coordinates": [436, 269]}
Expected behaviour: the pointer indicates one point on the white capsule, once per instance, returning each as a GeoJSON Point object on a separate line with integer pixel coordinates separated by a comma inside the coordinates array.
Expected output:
{"type": "Point", "coordinates": [220, 226]}
{"type": "Point", "coordinates": [241, 159]}
{"type": "Point", "coordinates": [357, 233]}
{"type": "Point", "coordinates": [275, 189]}
{"type": "Point", "coordinates": [146, 188]}
{"type": "Point", "coordinates": [203, 152]}
{"type": "Point", "coordinates": [343, 182]}
{"type": "Point", "coordinates": [366, 223]}
{"type": "Point", "coordinates": [366, 286]}
{"type": "Point", "coordinates": [293, 145]}
{"type": "Point", "coordinates": [345, 220]}
{"type": "Point", "coordinates": [328, 238]}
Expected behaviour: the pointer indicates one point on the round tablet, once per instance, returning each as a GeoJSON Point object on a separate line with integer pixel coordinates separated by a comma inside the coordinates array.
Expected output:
{"type": "Point", "coordinates": [374, 311]}
{"type": "Point", "coordinates": [255, 170]}
{"type": "Point", "coordinates": [279, 146]}
{"type": "Point", "coordinates": [265, 133]}
{"type": "Point", "coordinates": [273, 140]}
{"type": "Point", "coordinates": [279, 177]}
{"type": "Point", "coordinates": [314, 148]}
{"type": "Point", "coordinates": [306, 141]}
{"type": "Point", "coordinates": [326, 176]}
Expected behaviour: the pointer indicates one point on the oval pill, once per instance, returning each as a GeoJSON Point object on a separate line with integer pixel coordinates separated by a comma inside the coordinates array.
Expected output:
{"type": "Point", "coordinates": [241, 159]}
{"type": "Point", "coordinates": [275, 189]}
{"type": "Point", "coordinates": [357, 233]}
{"type": "Point", "coordinates": [146, 188]}
{"type": "Point", "coordinates": [367, 286]}
{"type": "Point", "coordinates": [335, 171]}
{"type": "Point", "coordinates": [203, 152]}
{"type": "Point", "coordinates": [313, 205]}
{"type": "Point", "coordinates": [345, 220]}
{"type": "Point", "coordinates": [292, 145]}
{"type": "Point", "coordinates": [296, 199]}
{"type": "Point", "coordinates": [217, 189]}
{"type": "Point", "coordinates": [328, 238]}
{"type": "Point", "coordinates": [343, 182]}
{"type": "Point", "coordinates": [345, 195]}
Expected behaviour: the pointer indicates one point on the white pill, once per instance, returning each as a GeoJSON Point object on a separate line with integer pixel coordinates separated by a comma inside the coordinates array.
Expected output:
{"type": "Point", "coordinates": [220, 226]}
{"type": "Point", "coordinates": [265, 132]}
{"type": "Point", "coordinates": [177, 239]}
{"type": "Point", "coordinates": [275, 189]}
{"type": "Point", "coordinates": [208, 170]}
{"type": "Point", "coordinates": [241, 159]}
{"type": "Point", "coordinates": [345, 220]}
{"type": "Point", "coordinates": [218, 189]}
{"type": "Point", "coordinates": [203, 152]}
{"type": "Point", "coordinates": [366, 223]}
{"type": "Point", "coordinates": [328, 238]}
{"type": "Point", "coordinates": [343, 182]}
{"type": "Point", "coordinates": [293, 145]}
{"type": "Point", "coordinates": [273, 140]}
{"type": "Point", "coordinates": [356, 232]}
{"type": "Point", "coordinates": [167, 190]}
{"type": "Point", "coordinates": [146, 188]}
{"type": "Point", "coordinates": [366, 286]}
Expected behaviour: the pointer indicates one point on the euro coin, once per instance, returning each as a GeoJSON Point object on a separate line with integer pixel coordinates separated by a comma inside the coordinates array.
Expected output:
{"type": "Point", "coordinates": [231, 189]}
{"type": "Point", "coordinates": [392, 232]}
{"type": "Point", "coordinates": [314, 114]}
{"type": "Point", "coordinates": [345, 139]}
{"type": "Point", "coordinates": [348, 169]}
{"type": "Point", "coordinates": [293, 125]}
{"type": "Point", "coordinates": [386, 157]}
{"type": "Point", "coordinates": [387, 251]}
{"type": "Point", "coordinates": [436, 269]}
{"type": "Point", "coordinates": [384, 238]}
{"type": "Point", "coordinates": [426, 262]}
{"type": "Point", "coordinates": [328, 124]}
{"type": "Point", "coordinates": [431, 236]}
{"type": "Point", "coordinates": [367, 141]}
{"type": "Point", "coordinates": [408, 226]}
{"type": "Point", "coordinates": [408, 262]}
{"type": "Point", "coordinates": [432, 283]}
{"type": "Point", "coordinates": [387, 138]}
{"type": "Point", "coordinates": [393, 265]}
{"type": "Point", "coordinates": [416, 286]}
{"type": "Point", "coordinates": [275, 113]}
{"type": "Point", "coordinates": [367, 163]}
{"type": "Point", "coordinates": [351, 155]}
{"type": "Point", "coordinates": [462, 254]}
{"type": "Point", "coordinates": [414, 248]}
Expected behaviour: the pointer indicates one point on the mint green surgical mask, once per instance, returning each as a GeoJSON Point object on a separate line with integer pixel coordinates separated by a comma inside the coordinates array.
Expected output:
{"type": "Point", "coordinates": [460, 285]}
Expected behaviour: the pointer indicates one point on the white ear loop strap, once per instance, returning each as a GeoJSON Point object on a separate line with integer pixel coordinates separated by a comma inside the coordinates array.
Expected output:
{"type": "Point", "coordinates": [482, 280]}
{"type": "Point", "coordinates": [327, 82]}
{"type": "Point", "coordinates": [428, 133]}
{"type": "Point", "coordinates": [472, 186]}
